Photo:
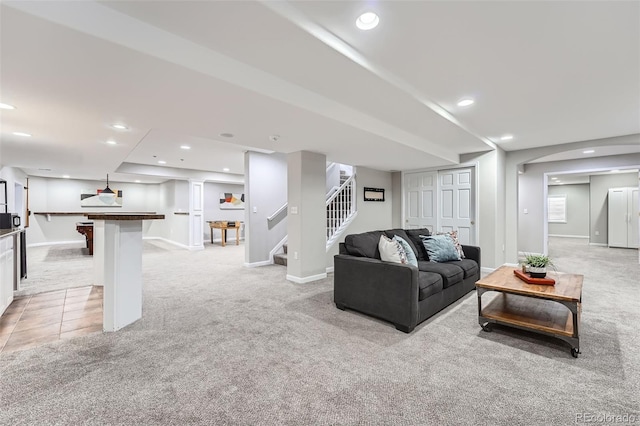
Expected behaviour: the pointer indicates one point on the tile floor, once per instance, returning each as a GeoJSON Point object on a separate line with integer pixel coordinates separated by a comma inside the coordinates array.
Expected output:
{"type": "Point", "coordinates": [46, 317]}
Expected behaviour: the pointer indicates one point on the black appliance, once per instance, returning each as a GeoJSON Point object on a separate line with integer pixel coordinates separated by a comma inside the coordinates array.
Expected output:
{"type": "Point", "coordinates": [6, 221]}
{"type": "Point", "coordinates": [9, 220]}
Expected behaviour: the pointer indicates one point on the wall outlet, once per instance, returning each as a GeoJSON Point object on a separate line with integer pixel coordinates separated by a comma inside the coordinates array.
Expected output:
{"type": "Point", "coordinates": [295, 255]}
{"type": "Point", "coordinates": [294, 210]}
{"type": "Point", "coordinates": [526, 211]}
{"type": "Point", "coordinates": [597, 232]}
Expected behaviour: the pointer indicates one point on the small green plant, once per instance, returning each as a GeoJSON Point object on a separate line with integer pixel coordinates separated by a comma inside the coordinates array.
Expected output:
{"type": "Point", "coordinates": [537, 260]}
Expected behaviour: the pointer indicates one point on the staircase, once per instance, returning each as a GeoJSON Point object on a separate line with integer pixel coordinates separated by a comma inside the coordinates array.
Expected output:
{"type": "Point", "coordinates": [281, 258]}
{"type": "Point", "coordinates": [341, 210]}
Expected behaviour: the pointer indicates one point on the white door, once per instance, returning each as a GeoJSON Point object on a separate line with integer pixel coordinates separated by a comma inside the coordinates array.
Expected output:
{"type": "Point", "coordinates": [634, 218]}
{"type": "Point", "coordinates": [617, 218]}
{"type": "Point", "coordinates": [456, 204]}
{"type": "Point", "coordinates": [420, 200]}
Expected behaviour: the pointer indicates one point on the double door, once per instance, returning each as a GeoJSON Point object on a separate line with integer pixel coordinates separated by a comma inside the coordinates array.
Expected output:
{"type": "Point", "coordinates": [442, 201]}
{"type": "Point", "coordinates": [623, 217]}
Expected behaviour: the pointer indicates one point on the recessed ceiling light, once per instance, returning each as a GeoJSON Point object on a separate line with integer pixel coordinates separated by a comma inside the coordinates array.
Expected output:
{"type": "Point", "coordinates": [137, 181]}
{"type": "Point", "coordinates": [367, 21]}
{"type": "Point", "coordinates": [6, 106]}
{"type": "Point", "coordinates": [162, 162]}
{"type": "Point", "coordinates": [506, 137]}
{"type": "Point", "coordinates": [66, 176]}
{"type": "Point", "coordinates": [554, 178]}
{"type": "Point", "coordinates": [465, 102]}
{"type": "Point", "coordinates": [589, 151]}
{"type": "Point", "coordinates": [112, 143]}
{"type": "Point", "coordinates": [26, 135]}
{"type": "Point", "coordinates": [185, 147]}
{"type": "Point", "coordinates": [119, 126]}
{"type": "Point", "coordinates": [226, 135]}
{"type": "Point", "coordinates": [226, 169]}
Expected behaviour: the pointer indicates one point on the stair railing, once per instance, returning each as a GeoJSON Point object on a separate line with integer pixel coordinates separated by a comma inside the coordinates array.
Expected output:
{"type": "Point", "coordinates": [341, 207]}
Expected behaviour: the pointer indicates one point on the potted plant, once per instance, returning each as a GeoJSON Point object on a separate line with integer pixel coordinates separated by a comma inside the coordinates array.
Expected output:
{"type": "Point", "coordinates": [537, 265]}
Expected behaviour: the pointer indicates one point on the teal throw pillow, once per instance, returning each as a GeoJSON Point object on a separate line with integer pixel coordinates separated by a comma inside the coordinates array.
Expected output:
{"type": "Point", "coordinates": [440, 248]}
{"type": "Point", "coordinates": [411, 256]}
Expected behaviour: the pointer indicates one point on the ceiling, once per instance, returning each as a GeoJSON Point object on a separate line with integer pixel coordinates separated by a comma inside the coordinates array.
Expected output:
{"type": "Point", "coordinates": [290, 76]}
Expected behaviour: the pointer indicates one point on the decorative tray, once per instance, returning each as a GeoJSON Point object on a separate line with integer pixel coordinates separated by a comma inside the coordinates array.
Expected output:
{"type": "Point", "coordinates": [527, 279]}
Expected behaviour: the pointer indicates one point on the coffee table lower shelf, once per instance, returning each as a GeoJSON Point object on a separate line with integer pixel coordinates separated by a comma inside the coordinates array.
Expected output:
{"type": "Point", "coordinates": [551, 318]}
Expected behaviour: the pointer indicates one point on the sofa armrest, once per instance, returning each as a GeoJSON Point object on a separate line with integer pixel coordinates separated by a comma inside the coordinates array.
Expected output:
{"type": "Point", "coordinates": [383, 289]}
{"type": "Point", "coordinates": [473, 253]}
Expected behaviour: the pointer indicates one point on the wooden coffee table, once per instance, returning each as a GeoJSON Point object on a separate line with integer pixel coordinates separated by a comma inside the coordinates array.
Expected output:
{"type": "Point", "coordinates": [552, 310]}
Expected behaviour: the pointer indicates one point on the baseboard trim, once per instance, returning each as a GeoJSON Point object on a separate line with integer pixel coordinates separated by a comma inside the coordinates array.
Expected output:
{"type": "Point", "coordinates": [56, 243]}
{"type": "Point", "coordinates": [308, 279]}
{"type": "Point", "coordinates": [329, 269]}
{"type": "Point", "coordinates": [487, 270]}
{"type": "Point", "coordinates": [569, 236]}
{"type": "Point", "coordinates": [256, 264]}
{"type": "Point", "coordinates": [599, 244]}
{"type": "Point", "coordinates": [175, 243]}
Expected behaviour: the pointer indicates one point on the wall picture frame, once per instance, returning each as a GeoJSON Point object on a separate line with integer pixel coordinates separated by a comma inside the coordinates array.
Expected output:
{"type": "Point", "coordinates": [374, 194]}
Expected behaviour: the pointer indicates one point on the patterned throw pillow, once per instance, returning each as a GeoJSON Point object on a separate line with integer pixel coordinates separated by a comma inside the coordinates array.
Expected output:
{"type": "Point", "coordinates": [411, 256]}
{"type": "Point", "coordinates": [440, 248]}
{"type": "Point", "coordinates": [456, 243]}
{"type": "Point", "coordinates": [391, 250]}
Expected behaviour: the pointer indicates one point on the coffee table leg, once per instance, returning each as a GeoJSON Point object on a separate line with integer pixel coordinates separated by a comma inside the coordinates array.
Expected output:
{"type": "Point", "coordinates": [484, 323]}
{"type": "Point", "coordinates": [574, 340]}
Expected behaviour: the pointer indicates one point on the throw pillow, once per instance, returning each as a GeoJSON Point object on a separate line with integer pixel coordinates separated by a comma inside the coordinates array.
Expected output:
{"type": "Point", "coordinates": [391, 251]}
{"type": "Point", "coordinates": [440, 248]}
{"type": "Point", "coordinates": [456, 243]}
{"type": "Point", "coordinates": [411, 256]}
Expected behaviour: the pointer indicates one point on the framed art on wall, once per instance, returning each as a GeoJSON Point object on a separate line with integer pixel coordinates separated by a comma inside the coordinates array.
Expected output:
{"type": "Point", "coordinates": [230, 201]}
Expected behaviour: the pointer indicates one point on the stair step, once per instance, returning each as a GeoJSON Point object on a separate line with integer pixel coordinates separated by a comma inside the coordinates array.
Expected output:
{"type": "Point", "coordinates": [280, 259]}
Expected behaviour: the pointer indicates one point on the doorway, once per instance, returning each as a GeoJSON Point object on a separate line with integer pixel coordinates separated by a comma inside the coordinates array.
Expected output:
{"type": "Point", "coordinates": [442, 201]}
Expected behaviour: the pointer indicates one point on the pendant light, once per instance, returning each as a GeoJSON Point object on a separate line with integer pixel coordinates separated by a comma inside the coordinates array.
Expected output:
{"type": "Point", "coordinates": [107, 196]}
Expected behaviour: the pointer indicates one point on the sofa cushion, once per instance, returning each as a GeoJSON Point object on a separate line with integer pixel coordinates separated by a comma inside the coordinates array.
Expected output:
{"type": "Point", "coordinates": [456, 242]}
{"type": "Point", "coordinates": [414, 237]}
{"type": "Point", "coordinates": [470, 267]}
{"type": "Point", "coordinates": [391, 250]}
{"type": "Point", "coordinates": [402, 234]}
{"type": "Point", "coordinates": [429, 283]}
{"type": "Point", "coordinates": [406, 245]}
{"type": "Point", "coordinates": [363, 245]}
{"type": "Point", "coordinates": [451, 274]}
{"type": "Point", "coordinates": [440, 248]}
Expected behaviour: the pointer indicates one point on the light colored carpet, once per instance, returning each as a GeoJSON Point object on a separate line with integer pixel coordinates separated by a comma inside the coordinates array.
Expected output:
{"type": "Point", "coordinates": [223, 344]}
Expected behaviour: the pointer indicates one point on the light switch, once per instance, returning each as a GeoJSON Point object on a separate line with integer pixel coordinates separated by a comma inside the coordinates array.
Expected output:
{"type": "Point", "coordinates": [526, 211]}
{"type": "Point", "coordinates": [294, 210]}
{"type": "Point", "coordinates": [255, 209]}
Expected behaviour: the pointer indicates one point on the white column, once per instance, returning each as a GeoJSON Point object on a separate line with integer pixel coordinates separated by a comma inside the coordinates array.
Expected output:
{"type": "Point", "coordinates": [122, 272]}
{"type": "Point", "coordinates": [196, 215]}
{"type": "Point", "coordinates": [98, 252]}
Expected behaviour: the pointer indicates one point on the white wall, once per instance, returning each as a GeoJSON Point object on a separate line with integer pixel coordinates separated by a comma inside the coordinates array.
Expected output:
{"type": "Point", "coordinates": [212, 210]}
{"type": "Point", "coordinates": [266, 192]}
{"type": "Point", "coordinates": [577, 208]}
{"type": "Point", "coordinates": [490, 195]}
{"type": "Point", "coordinates": [14, 176]}
{"type": "Point", "coordinates": [599, 208]}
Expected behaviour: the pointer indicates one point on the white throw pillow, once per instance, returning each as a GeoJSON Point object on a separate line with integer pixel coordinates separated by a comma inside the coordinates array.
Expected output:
{"type": "Point", "coordinates": [391, 251]}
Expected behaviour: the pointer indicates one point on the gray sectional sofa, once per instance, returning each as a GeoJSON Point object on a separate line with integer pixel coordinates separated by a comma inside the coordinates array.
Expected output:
{"type": "Point", "coordinates": [399, 293]}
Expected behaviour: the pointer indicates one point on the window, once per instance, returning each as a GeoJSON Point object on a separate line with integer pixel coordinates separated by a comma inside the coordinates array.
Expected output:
{"type": "Point", "coordinates": [557, 208]}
